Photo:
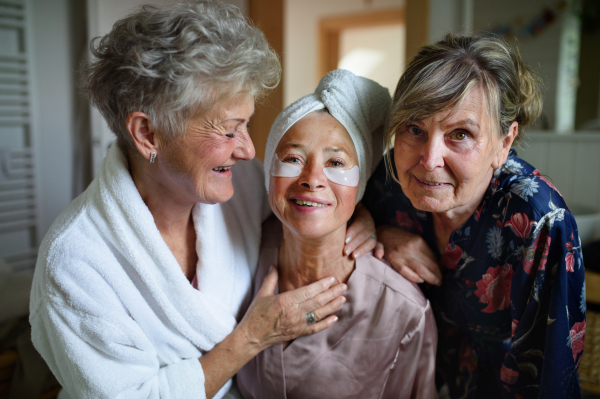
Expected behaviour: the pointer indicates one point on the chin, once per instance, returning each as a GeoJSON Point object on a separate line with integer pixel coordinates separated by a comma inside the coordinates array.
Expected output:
{"type": "Point", "coordinates": [309, 228]}
{"type": "Point", "coordinates": [430, 204]}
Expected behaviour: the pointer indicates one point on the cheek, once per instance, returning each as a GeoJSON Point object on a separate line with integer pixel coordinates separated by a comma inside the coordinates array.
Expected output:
{"type": "Point", "coordinates": [346, 198]}
{"type": "Point", "coordinates": [278, 188]}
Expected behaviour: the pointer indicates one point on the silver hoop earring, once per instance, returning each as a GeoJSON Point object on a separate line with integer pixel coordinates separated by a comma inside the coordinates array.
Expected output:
{"type": "Point", "coordinates": [152, 157]}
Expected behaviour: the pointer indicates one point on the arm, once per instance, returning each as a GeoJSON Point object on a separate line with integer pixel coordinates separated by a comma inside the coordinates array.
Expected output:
{"type": "Point", "coordinates": [407, 252]}
{"type": "Point", "coordinates": [96, 348]}
{"type": "Point", "coordinates": [271, 320]}
{"type": "Point", "coordinates": [410, 255]}
{"type": "Point", "coordinates": [548, 311]}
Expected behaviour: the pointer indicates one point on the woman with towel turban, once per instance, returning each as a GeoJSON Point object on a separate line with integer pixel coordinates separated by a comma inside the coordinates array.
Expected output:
{"type": "Point", "coordinates": [141, 281]}
{"type": "Point", "coordinates": [318, 159]}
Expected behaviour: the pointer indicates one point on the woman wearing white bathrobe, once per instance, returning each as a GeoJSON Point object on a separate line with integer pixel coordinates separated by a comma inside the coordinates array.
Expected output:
{"type": "Point", "coordinates": [142, 282]}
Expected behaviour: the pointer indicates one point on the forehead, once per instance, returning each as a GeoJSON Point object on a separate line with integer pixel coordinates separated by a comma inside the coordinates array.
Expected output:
{"type": "Point", "coordinates": [473, 111]}
{"type": "Point", "coordinates": [318, 131]}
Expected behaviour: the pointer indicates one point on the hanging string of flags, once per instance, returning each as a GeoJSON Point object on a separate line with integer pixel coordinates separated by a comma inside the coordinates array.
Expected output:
{"type": "Point", "coordinates": [533, 26]}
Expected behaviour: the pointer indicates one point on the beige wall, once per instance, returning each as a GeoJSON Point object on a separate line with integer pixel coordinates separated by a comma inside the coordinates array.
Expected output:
{"type": "Point", "coordinates": [301, 19]}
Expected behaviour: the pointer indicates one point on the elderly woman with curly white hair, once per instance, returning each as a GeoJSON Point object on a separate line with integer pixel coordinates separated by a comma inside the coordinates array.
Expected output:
{"type": "Point", "coordinates": [142, 283]}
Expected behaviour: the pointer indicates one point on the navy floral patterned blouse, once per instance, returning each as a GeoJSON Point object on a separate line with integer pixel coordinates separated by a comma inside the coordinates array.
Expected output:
{"type": "Point", "coordinates": [511, 309]}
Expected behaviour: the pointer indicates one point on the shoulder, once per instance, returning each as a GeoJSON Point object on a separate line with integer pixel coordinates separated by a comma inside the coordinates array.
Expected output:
{"type": "Point", "coordinates": [529, 189]}
{"type": "Point", "coordinates": [249, 200]}
{"type": "Point", "coordinates": [272, 233]}
{"type": "Point", "coordinates": [404, 291]}
{"type": "Point", "coordinates": [70, 250]}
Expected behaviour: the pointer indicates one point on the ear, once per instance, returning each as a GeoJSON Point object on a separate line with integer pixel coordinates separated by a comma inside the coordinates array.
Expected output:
{"type": "Point", "coordinates": [142, 134]}
{"type": "Point", "coordinates": [506, 142]}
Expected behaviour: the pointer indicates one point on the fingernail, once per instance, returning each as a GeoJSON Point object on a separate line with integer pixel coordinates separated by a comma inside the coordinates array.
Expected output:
{"type": "Point", "coordinates": [420, 280]}
{"type": "Point", "coordinates": [335, 318]}
{"type": "Point", "coordinates": [348, 239]}
{"type": "Point", "coordinates": [343, 299]}
{"type": "Point", "coordinates": [344, 287]}
{"type": "Point", "coordinates": [437, 282]}
{"type": "Point", "coordinates": [332, 280]}
{"type": "Point", "coordinates": [345, 252]}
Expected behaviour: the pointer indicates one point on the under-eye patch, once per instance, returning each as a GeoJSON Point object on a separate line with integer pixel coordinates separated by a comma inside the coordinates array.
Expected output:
{"type": "Point", "coordinates": [349, 177]}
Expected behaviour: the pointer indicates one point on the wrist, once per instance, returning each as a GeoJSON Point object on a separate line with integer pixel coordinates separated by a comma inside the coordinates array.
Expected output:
{"type": "Point", "coordinates": [241, 342]}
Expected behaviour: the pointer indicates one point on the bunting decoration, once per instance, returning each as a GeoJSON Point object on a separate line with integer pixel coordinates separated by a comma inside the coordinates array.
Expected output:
{"type": "Point", "coordinates": [534, 26]}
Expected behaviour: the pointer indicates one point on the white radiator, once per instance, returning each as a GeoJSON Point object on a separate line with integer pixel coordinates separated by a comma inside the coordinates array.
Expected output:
{"type": "Point", "coordinates": [18, 206]}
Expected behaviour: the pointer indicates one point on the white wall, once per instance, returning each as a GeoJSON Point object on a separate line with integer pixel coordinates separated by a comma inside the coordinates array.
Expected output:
{"type": "Point", "coordinates": [301, 24]}
{"type": "Point", "coordinates": [102, 14]}
{"type": "Point", "coordinates": [540, 52]}
{"type": "Point", "coordinates": [52, 106]}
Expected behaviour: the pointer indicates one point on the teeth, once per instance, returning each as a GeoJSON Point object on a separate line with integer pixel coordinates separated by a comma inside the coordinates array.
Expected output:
{"type": "Point", "coordinates": [433, 184]}
{"type": "Point", "coordinates": [221, 169]}
{"type": "Point", "coordinates": [309, 203]}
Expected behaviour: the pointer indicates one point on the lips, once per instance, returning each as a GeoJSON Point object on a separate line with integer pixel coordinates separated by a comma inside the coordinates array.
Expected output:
{"type": "Point", "coordinates": [309, 202]}
{"type": "Point", "coordinates": [431, 183]}
{"type": "Point", "coordinates": [222, 169]}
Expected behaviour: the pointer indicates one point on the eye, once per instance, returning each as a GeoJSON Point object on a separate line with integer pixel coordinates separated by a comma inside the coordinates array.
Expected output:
{"type": "Point", "coordinates": [460, 135]}
{"type": "Point", "coordinates": [230, 135]}
{"type": "Point", "coordinates": [292, 159]}
{"type": "Point", "coordinates": [337, 163]}
{"type": "Point", "coordinates": [415, 131]}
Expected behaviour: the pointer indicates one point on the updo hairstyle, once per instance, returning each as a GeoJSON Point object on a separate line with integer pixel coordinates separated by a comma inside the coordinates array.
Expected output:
{"type": "Point", "coordinates": [441, 74]}
{"type": "Point", "coordinates": [175, 61]}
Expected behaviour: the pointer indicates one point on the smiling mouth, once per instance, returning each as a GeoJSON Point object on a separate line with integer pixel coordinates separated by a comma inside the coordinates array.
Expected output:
{"type": "Point", "coordinates": [430, 183]}
{"type": "Point", "coordinates": [222, 169]}
{"type": "Point", "coordinates": [309, 203]}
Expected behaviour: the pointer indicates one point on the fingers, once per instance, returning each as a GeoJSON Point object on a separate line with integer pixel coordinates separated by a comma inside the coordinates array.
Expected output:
{"type": "Point", "coordinates": [379, 251]}
{"type": "Point", "coordinates": [359, 232]}
{"type": "Point", "coordinates": [269, 283]}
{"type": "Point", "coordinates": [321, 325]}
{"type": "Point", "coordinates": [310, 291]}
{"type": "Point", "coordinates": [409, 274]}
{"type": "Point", "coordinates": [364, 247]}
{"type": "Point", "coordinates": [333, 305]}
{"type": "Point", "coordinates": [322, 303]}
{"type": "Point", "coordinates": [414, 269]}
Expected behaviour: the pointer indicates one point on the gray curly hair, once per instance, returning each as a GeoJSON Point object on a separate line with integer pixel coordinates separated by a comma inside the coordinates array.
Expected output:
{"type": "Point", "coordinates": [175, 61]}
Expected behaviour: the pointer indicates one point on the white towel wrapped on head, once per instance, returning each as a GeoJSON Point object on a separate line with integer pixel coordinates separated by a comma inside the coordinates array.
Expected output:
{"type": "Point", "coordinates": [359, 104]}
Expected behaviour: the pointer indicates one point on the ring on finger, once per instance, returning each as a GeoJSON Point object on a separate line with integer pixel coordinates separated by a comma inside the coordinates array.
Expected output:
{"type": "Point", "coordinates": [310, 318]}
{"type": "Point", "coordinates": [373, 236]}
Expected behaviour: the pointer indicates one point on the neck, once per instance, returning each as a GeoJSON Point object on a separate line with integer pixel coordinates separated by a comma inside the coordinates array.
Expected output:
{"type": "Point", "coordinates": [444, 223]}
{"type": "Point", "coordinates": [170, 212]}
{"type": "Point", "coordinates": [303, 261]}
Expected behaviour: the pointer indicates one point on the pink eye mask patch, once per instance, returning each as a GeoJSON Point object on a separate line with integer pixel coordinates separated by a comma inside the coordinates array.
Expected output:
{"type": "Point", "coordinates": [344, 177]}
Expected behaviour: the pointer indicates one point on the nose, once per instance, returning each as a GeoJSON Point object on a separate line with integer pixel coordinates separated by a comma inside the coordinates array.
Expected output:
{"type": "Point", "coordinates": [312, 176]}
{"type": "Point", "coordinates": [433, 152]}
{"type": "Point", "coordinates": [245, 148]}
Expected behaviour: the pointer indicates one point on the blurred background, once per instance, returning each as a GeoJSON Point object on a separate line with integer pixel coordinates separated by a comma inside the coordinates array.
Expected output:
{"type": "Point", "coordinates": [52, 142]}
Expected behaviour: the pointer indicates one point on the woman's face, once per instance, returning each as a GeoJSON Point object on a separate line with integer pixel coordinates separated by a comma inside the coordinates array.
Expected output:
{"type": "Point", "coordinates": [198, 164]}
{"type": "Point", "coordinates": [445, 163]}
{"type": "Point", "coordinates": [316, 141]}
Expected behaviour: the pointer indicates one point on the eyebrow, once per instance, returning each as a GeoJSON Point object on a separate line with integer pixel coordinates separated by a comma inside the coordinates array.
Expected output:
{"type": "Point", "coordinates": [466, 121]}
{"type": "Point", "coordinates": [238, 120]}
{"type": "Point", "coordinates": [326, 149]}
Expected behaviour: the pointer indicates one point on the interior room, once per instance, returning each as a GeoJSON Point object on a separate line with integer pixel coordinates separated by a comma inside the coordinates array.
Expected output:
{"type": "Point", "coordinates": [52, 142]}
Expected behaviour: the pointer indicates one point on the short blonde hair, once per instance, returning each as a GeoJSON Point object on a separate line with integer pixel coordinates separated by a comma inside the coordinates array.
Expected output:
{"type": "Point", "coordinates": [439, 77]}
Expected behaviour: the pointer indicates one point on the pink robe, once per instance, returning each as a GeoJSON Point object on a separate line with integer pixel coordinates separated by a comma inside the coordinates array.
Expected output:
{"type": "Point", "coordinates": [382, 346]}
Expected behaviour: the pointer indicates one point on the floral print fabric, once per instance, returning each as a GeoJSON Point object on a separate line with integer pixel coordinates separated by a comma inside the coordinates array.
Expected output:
{"type": "Point", "coordinates": [511, 308]}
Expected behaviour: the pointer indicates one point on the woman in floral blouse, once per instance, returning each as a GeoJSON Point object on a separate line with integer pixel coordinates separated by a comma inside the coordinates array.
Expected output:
{"type": "Point", "coordinates": [510, 308]}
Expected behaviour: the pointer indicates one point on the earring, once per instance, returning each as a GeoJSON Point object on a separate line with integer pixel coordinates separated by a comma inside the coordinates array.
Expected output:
{"type": "Point", "coordinates": [152, 157]}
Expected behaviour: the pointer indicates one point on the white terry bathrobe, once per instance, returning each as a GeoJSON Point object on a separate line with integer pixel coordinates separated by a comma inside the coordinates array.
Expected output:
{"type": "Point", "coordinates": [111, 311]}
